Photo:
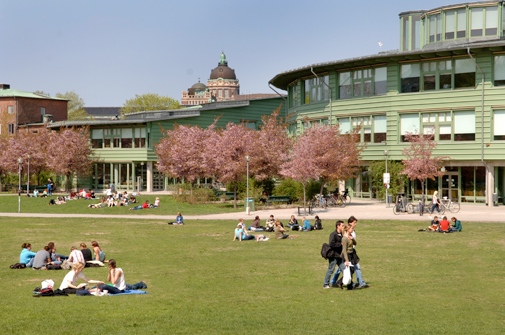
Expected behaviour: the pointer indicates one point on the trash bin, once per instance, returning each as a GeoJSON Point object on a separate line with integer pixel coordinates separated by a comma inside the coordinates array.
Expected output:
{"type": "Point", "coordinates": [249, 201]}
{"type": "Point", "coordinates": [495, 199]}
{"type": "Point", "coordinates": [390, 199]}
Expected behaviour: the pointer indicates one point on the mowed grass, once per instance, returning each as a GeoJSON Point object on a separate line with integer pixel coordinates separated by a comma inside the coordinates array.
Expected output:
{"type": "Point", "coordinates": [201, 282]}
{"type": "Point", "coordinates": [169, 206]}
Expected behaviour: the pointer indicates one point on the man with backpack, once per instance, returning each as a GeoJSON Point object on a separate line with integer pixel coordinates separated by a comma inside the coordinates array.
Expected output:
{"type": "Point", "coordinates": [334, 256]}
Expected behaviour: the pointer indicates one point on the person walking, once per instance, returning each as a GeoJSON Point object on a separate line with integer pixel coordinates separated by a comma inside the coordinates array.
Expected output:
{"type": "Point", "coordinates": [359, 276]}
{"type": "Point", "coordinates": [335, 255]}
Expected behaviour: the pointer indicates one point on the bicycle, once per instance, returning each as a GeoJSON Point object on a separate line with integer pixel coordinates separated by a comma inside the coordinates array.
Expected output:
{"type": "Point", "coordinates": [318, 201]}
{"type": "Point", "coordinates": [449, 205]}
{"type": "Point", "coordinates": [346, 197]}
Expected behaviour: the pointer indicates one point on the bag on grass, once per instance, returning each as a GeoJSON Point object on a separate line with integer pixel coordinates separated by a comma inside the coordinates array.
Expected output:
{"type": "Point", "coordinates": [18, 266]}
{"type": "Point", "coordinates": [325, 250]}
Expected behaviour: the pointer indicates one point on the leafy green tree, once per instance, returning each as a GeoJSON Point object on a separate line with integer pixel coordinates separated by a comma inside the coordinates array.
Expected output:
{"type": "Point", "coordinates": [149, 102]}
{"type": "Point", "coordinates": [290, 187]}
{"type": "Point", "coordinates": [397, 178]}
{"type": "Point", "coordinates": [75, 107]}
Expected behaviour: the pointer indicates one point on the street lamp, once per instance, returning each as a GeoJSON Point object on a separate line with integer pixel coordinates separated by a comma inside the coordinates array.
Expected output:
{"type": "Point", "coordinates": [20, 162]}
{"type": "Point", "coordinates": [28, 178]}
{"type": "Point", "coordinates": [247, 209]}
{"type": "Point", "coordinates": [386, 178]}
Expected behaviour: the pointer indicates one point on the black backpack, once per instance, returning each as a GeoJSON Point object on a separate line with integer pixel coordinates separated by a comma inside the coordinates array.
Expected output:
{"type": "Point", "coordinates": [325, 250]}
{"type": "Point", "coordinates": [18, 266]}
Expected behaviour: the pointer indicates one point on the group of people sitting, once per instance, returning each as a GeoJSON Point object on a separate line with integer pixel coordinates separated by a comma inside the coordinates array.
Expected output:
{"type": "Point", "coordinates": [444, 226]}
{"type": "Point", "coordinates": [292, 224]}
{"type": "Point", "coordinates": [48, 258]}
{"type": "Point", "coordinates": [273, 225]}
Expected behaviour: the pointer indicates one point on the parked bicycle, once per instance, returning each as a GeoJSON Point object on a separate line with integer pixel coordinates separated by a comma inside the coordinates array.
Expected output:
{"type": "Point", "coordinates": [415, 207]}
{"type": "Point", "coordinates": [318, 201]}
{"type": "Point", "coordinates": [401, 205]}
{"type": "Point", "coordinates": [449, 205]}
{"type": "Point", "coordinates": [346, 197]}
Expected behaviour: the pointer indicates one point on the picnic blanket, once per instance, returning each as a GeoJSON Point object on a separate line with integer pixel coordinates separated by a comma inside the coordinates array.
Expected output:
{"type": "Point", "coordinates": [130, 292]}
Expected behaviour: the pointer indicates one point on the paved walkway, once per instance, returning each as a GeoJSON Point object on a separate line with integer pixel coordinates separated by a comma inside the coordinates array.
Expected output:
{"type": "Point", "coordinates": [362, 209]}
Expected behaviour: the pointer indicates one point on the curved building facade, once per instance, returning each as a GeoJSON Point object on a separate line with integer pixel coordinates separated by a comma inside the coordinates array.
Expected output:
{"type": "Point", "coordinates": [447, 78]}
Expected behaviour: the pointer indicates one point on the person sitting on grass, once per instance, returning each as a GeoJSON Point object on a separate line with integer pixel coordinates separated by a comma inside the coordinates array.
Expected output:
{"type": "Point", "coordinates": [456, 225]}
{"type": "Point", "coordinates": [116, 278]}
{"type": "Point", "coordinates": [241, 233]}
{"type": "Point", "coordinates": [434, 224]}
{"type": "Point", "coordinates": [270, 224]}
{"type": "Point", "coordinates": [293, 223]}
{"type": "Point", "coordinates": [69, 283]}
{"type": "Point", "coordinates": [444, 225]}
{"type": "Point", "coordinates": [179, 220]}
{"type": "Point", "coordinates": [145, 205]}
{"type": "Point", "coordinates": [279, 231]}
{"type": "Point", "coordinates": [306, 225]}
{"type": "Point", "coordinates": [97, 250]}
{"type": "Point", "coordinates": [256, 225]}
{"type": "Point", "coordinates": [27, 255]}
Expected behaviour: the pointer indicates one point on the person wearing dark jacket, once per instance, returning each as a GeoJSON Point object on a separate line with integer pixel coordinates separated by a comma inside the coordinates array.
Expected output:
{"type": "Point", "coordinates": [335, 258]}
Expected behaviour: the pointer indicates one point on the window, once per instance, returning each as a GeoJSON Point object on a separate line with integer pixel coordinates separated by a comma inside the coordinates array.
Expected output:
{"type": "Point", "coordinates": [464, 126]}
{"type": "Point", "coordinates": [363, 83]}
{"type": "Point", "coordinates": [97, 138]}
{"type": "Point", "coordinates": [491, 21]}
{"type": "Point", "coordinates": [437, 75]}
{"type": "Point", "coordinates": [438, 124]}
{"type": "Point", "coordinates": [434, 28]}
{"type": "Point", "coordinates": [450, 20]}
{"type": "Point", "coordinates": [11, 128]}
{"type": "Point", "coordinates": [140, 137]}
{"type": "Point", "coordinates": [42, 111]}
{"type": "Point", "coordinates": [464, 73]}
{"type": "Point", "coordinates": [499, 125]}
{"type": "Point", "coordinates": [409, 123]}
{"type": "Point", "coordinates": [379, 127]}
{"type": "Point", "coordinates": [477, 22]}
{"type": "Point", "coordinates": [126, 138]}
{"type": "Point", "coordinates": [410, 74]}
{"type": "Point", "coordinates": [461, 23]}
{"type": "Point", "coordinates": [499, 70]}
{"type": "Point", "coordinates": [372, 128]}
{"type": "Point", "coordinates": [294, 97]}
{"type": "Point", "coordinates": [10, 109]}
{"type": "Point", "coordinates": [316, 89]}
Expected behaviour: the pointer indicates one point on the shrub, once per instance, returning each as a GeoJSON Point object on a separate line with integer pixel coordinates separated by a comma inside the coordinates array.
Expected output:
{"type": "Point", "coordinates": [289, 187]}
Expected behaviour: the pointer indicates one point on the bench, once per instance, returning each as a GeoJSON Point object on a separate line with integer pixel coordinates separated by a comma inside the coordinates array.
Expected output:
{"type": "Point", "coordinates": [278, 198]}
{"type": "Point", "coordinates": [224, 195]}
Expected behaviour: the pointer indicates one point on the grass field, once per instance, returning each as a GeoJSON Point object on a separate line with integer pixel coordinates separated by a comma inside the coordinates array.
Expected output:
{"type": "Point", "coordinates": [201, 282]}
{"type": "Point", "coordinates": [169, 206]}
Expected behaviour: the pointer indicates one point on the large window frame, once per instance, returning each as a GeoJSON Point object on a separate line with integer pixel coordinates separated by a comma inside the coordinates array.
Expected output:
{"type": "Point", "coordinates": [445, 126]}
{"type": "Point", "coordinates": [316, 89]}
{"type": "Point", "coordinates": [362, 82]}
{"type": "Point", "coordinates": [372, 127]}
{"type": "Point", "coordinates": [123, 138]}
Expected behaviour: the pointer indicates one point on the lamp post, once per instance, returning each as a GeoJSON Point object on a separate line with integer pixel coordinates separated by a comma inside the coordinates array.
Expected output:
{"type": "Point", "coordinates": [247, 209]}
{"type": "Point", "coordinates": [386, 178]}
{"type": "Point", "coordinates": [28, 178]}
{"type": "Point", "coordinates": [20, 162]}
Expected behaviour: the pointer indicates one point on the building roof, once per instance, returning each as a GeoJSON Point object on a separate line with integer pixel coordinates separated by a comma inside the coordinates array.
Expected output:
{"type": "Point", "coordinates": [222, 70]}
{"type": "Point", "coordinates": [11, 93]}
{"type": "Point", "coordinates": [283, 79]}
{"type": "Point", "coordinates": [102, 111]}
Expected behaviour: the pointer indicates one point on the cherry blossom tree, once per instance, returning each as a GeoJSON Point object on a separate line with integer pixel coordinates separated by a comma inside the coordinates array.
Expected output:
{"type": "Point", "coordinates": [70, 152]}
{"type": "Point", "coordinates": [272, 145]}
{"type": "Point", "coordinates": [419, 162]}
{"type": "Point", "coordinates": [180, 153]}
{"type": "Point", "coordinates": [323, 152]}
{"type": "Point", "coordinates": [226, 152]}
{"type": "Point", "coordinates": [30, 147]}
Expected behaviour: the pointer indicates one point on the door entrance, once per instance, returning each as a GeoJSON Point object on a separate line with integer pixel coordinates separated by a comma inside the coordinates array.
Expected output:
{"type": "Point", "coordinates": [450, 186]}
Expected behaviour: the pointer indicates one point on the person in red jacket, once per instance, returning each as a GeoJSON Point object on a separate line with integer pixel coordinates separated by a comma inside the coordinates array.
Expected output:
{"type": "Point", "coordinates": [444, 225]}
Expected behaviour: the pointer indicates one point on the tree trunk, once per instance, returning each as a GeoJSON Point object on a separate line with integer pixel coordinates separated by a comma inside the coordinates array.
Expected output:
{"type": "Point", "coordinates": [235, 195]}
{"type": "Point", "coordinates": [304, 200]}
{"type": "Point", "coordinates": [422, 198]}
{"type": "Point", "coordinates": [322, 187]}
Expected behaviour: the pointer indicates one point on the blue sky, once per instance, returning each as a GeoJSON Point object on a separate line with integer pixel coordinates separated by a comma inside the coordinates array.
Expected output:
{"type": "Point", "coordinates": [109, 50]}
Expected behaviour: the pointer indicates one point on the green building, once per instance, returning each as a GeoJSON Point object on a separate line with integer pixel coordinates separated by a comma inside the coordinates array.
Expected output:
{"type": "Point", "coordinates": [448, 77]}
{"type": "Point", "coordinates": [125, 147]}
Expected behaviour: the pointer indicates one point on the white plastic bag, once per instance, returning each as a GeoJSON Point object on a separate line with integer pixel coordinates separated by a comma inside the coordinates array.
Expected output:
{"type": "Point", "coordinates": [48, 283]}
{"type": "Point", "coordinates": [346, 280]}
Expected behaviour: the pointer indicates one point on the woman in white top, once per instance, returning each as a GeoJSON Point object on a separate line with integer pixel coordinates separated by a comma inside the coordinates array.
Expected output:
{"type": "Point", "coordinates": [435, 203]}
{"type": "Point", "coordinates": [116, 278]}
{"type": "Point", "coordinates": [69, 283]}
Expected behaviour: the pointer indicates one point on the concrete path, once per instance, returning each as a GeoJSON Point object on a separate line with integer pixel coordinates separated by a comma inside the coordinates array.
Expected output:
{"type": "Point", "coordinates": [362, 209]}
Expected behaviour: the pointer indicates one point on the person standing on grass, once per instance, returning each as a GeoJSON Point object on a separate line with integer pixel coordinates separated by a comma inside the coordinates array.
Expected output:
{"type": "Point", "coordinates": [335, 255]}
{"type": "Point", "coordinates": [359, 276]}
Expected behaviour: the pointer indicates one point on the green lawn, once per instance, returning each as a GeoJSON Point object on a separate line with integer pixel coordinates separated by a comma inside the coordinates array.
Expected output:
{"type": "Point", "coordinates": [169, 206]}
{"type": "Point", "coordinates": [201, 282]}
